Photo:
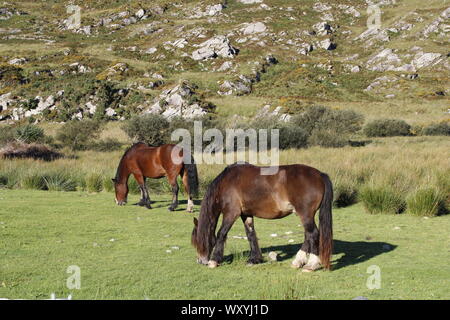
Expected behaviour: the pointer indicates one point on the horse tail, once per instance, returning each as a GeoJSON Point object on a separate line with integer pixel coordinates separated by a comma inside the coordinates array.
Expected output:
{"type": "Point", "coordinates": [192, 176]}
{"type": "Point", "coordinates": [326, 224]}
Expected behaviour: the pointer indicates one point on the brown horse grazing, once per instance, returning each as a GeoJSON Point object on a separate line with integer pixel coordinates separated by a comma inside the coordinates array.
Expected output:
{"type": "Point", "coordinates": [241, 191]}
{"type": "Point", "coordinates": [144, 161]}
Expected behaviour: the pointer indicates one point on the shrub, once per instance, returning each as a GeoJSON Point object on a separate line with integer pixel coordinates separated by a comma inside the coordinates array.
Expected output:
{"type": "Point", "coordinates": [60, 181]}
{"type": "Point", "coordinates": [151, 129]}
{"type": "Point", "coordinates": [34, 181]}
{"type": "Point", "coordinates": [328, 127]}
{"type": "Point", "coordinates": [94, 182]}
{"type": "Point", "coordinates": [438, 129]}
{"type": "Point", "coordinates": [426, 202]}
{"type": "Point", "coordinates": [292, 136]}
{"type": "Point", "coordinates": [381, 200]}
{"type": "Point", "coordinates": [10, 178]}
{"type": "Point", "coordinates": [344, 195]}
{"type": "Point", "coordinates": [78, 134]}
{"type": "Point", "coordinates": [387, 128]}
{"type": "Point", "coordinates": [33, 151]}
{"type": "Point", "coordinates": [29, 134]}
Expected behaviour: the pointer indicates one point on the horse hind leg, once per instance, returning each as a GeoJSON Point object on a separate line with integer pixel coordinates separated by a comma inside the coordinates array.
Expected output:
{"type": "Point", "coordinates": [190, 204]}
{"type": "Point", "coordinates": [307, 256]}
{"type": "Point", "coordinates": [301, 258]}
{"type": "Point", "coordinates": [313, 240]}
{"type": "Point", "coordinates": [255, 251]}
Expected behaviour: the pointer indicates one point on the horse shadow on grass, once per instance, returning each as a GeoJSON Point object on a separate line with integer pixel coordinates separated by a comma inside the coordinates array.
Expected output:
{"type": "Point", "coordinates": [156, 204]}
{"type": "Point", "coordinates": [353, 252]}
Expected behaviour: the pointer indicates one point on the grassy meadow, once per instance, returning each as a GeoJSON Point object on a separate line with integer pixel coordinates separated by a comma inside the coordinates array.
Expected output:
{"type": "Point", "coordinates": [133, 253]}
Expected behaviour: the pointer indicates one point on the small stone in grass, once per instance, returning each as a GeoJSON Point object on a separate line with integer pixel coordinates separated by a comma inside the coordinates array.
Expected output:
{"type": "Point", "coordinates": [291, 240]}
{"type": "Point", "coordinates": [396, 228]}
{"type": "Point", "coordinates": [176, 248]}
{"type": "Point", "coordinates": [274, 235]}
{"type": "Point", "coordinates": [273, 256]}
{"type": "Point", "coordinates": [112, 240]}
{"type": "Point", "coordinates": [288, 232]}
{"type": "Point", "coordinates": [169, 251]}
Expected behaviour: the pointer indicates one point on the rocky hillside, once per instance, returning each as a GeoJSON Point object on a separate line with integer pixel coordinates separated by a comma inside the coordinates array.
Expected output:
{"type": "Point", "coordinates": [111, 59]}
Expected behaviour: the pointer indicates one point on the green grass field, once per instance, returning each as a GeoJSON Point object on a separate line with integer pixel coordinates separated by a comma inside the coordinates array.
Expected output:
{"type": "Point", "coordinates": [122, 253]}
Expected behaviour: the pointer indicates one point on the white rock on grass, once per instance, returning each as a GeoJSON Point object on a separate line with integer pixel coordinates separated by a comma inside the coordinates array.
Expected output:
{"type": "Point", "coordinates": [216, 46]}
{"type": "Point", "coordinates": [252, 28]}
{"type": "Point", "coordinates": [250, 1]}
{"type": "Point", "coordinates": [422, 59]}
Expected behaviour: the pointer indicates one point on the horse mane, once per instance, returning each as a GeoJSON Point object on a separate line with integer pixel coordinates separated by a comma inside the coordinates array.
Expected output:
{"type": "Point", "coordinates": [203, 236]}
{"type": "Point", "coordinates": [117, 177]}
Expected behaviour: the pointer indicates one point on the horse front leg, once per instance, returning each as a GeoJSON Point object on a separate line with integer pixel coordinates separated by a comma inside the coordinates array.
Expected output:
{"type": "Point", "coordinates": [173, 182]}
{"type": "Point", "coordinates": [217, 254]}
{"type": "Point", "coordinates": [145, 198]}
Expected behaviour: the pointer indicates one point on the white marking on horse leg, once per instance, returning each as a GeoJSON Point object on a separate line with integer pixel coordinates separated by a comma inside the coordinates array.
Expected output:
{"type": "Point", "coordinates": [190, 205]}
{"type": "Point", "coordinates": [300, 259]}
{"type": "Point", "coordinates": [212, 264]}
{"type": "Point", "coordinates": [313, 263]}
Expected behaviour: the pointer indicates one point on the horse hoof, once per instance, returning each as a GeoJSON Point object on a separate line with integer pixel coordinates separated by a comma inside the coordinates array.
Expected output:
{"type": "Point", "coordinates": [171, 209]}
{"type": "Point", "coordinates": [307, 270]}
{"type": "Point", "coordinates": [148, 206]}
{"type": "Point", "coordinates": [212, 264]}
{"type": "Point", "coordinates": [295, 265]}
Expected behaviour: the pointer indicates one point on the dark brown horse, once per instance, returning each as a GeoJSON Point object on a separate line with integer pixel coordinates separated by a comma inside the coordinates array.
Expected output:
{"type": "Point", "coordinates": [144, 161]}
{"type": "Point", "coordinates": [241, 191]}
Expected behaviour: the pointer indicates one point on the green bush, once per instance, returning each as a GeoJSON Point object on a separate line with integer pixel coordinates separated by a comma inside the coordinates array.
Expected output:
{"type": "Point", "coordinates": [94, 182]}
{"type": "Point", "coordinates": [78, 135]}
{"type": "Point", "coordinates": [328, 127]}
{"type": "Point", "coordinates": [344, 195]}
{"type": "Point", "coordinates": [151, 129]}
{"type": "Point", "coordinates": [291, 136]}
{"type": "Point", "coordinates": [33, 181]}
{"type": "Point", "coordinates": [426, 202]}
{"type": "Point", "coordinates": [382, 200]}
{"type": "Point", "coordinates": [438, 129]}
{"type": "Point", "coordinates": [29, 134]}
{"type": "Point", "coordinates": [387, 128]}
{"type": "Point", "coordinates": [10, 178]}
{"type": "Point", "coordinates": [59, 181]}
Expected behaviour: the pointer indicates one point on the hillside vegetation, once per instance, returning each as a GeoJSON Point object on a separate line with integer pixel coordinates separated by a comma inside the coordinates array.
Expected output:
{"type": "Point", "coordinates": [129, 57]}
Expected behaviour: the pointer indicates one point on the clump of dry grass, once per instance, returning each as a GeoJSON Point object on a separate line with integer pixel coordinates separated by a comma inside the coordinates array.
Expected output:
{"type": "Point", "coordinates": [33, 151]}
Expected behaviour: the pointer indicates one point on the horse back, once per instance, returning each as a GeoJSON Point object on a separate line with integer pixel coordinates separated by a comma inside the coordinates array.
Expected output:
{"type": "Point", "coordinates": [274, 196]}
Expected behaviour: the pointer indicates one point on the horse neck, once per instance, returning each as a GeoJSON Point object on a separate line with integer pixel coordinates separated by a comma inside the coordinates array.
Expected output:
{"type": "Point", "coordinates": [122, 174]}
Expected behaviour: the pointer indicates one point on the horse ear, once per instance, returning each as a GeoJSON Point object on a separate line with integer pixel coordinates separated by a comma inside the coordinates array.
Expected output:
{"type": "Point", "coordinates": [195, 221]}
